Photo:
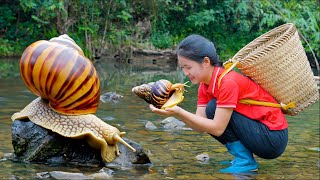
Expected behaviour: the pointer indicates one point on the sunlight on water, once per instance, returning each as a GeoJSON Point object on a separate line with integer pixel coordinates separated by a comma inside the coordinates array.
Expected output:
{"type": "Point", "coordinates": [172, 153]}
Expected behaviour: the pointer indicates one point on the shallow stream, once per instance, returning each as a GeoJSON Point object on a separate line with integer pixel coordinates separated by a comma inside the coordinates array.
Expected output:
{"type": "Point", "coordinates": [172, 153]}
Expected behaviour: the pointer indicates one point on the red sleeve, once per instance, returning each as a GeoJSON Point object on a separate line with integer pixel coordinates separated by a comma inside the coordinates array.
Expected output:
{"type": "Point", "coordinates": [228, 94]}
{"type": "Point", "coordinates": [202, 97]}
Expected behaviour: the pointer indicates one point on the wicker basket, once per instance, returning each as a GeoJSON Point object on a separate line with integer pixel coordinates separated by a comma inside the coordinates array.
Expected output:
{"type": "Point", "coordinates": [277, 61]}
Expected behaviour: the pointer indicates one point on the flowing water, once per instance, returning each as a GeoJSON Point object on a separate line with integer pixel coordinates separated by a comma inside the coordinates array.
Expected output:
{"type": "Point", "coordinates": [172, 153]}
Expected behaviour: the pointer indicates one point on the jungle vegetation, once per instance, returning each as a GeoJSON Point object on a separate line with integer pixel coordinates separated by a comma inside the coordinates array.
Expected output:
{"type": "Point", "coordinates": [99, 26]}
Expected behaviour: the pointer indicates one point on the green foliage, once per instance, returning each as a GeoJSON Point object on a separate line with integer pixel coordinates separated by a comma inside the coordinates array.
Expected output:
{"type": "Point", "coordinates": [304, 14]}
{"type": "Point", "coordinates": [161, 40]}
{"type": "Point", "coordinates": [103, 25]}
{"type": "Point", "coordinates": [125, 16]}
{"type": "Point", "coordinates": [229, 24]}
{"type": "Point", "coordinates": [6, 47]}
{"type": "Point", "coordinates": [202, 18]}
{"type": "Point", "coordinates": [7, 17]}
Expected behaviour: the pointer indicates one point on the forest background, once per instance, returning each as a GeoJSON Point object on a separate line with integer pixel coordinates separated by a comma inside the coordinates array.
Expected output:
{"type": "Point", "coordinates": [103, 26]}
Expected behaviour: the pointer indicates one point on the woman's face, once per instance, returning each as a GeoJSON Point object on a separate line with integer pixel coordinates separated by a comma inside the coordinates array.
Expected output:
{"type": "Point", "coordinates": [195, 71]}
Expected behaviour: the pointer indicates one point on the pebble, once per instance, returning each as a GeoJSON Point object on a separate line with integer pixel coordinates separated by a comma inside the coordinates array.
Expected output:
{"type": "Point", "coordinates": [203, 158]}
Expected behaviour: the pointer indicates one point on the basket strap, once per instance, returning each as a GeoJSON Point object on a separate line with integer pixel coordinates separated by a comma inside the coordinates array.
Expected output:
{"type": "Point", "coordinates": [269, 104]}
{"type": "Point", "coordinates": [229, 65]}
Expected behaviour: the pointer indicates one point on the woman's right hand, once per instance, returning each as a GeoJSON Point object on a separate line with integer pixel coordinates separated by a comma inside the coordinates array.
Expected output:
{"type": "Point", "coordinates": [174, 111]}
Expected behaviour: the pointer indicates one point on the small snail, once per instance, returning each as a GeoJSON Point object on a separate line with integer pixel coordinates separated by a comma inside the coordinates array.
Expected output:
{"type": "Point", "coordinates": [69, 91]}
{"type": "Point", "coordinates": [162, 93]}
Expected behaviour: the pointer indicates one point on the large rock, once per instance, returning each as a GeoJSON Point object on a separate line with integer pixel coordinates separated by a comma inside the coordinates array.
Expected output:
{"type": "Point", "coordinates": [33, 143]}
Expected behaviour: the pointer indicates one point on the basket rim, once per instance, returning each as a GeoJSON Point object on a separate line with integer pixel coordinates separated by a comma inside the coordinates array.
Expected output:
{"type": "Point", "coordinates": [284, 35]}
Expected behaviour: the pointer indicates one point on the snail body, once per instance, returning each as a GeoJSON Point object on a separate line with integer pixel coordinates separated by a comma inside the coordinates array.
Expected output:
{"type": "Point", "coordinates": [162, 93]}
{"type": "Point", "coordinates": [68, 87]}
{"type": "Point", "coordinates": [97, 133]}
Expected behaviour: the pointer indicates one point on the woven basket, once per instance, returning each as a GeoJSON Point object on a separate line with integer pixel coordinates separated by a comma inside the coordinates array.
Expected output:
{"type": "Point", "coordinates": [277, 61]}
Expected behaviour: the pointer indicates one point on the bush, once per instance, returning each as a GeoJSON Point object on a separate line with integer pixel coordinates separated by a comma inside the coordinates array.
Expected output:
{"type": "Point", "coordinates": [161, 40]}
{"type": "Point", "coordinates": [6, 48]}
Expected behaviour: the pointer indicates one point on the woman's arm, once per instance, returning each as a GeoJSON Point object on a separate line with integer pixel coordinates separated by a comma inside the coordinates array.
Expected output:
{"type": "Point", "coordinates": [201, 111]}
{"type": "Point", "coordinates": [199, 122]}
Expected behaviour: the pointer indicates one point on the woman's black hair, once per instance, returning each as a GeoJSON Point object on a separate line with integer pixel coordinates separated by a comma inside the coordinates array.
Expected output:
{"type": "Point", "coordinates": [196, 48]}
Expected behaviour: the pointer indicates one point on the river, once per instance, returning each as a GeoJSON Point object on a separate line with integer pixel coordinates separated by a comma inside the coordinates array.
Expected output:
{"type": "Point", "coordinates": [172, 153]}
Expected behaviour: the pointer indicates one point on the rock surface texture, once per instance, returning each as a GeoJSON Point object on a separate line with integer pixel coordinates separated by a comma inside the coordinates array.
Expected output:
{"type": "Point", "coordinates": [33, 143]}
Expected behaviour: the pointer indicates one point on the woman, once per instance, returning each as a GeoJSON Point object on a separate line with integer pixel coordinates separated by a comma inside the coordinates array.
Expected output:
{"type": "Point", "coordinates": [244, 129]}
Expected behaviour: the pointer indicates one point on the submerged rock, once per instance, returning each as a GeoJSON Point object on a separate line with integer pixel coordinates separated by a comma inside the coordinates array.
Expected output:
{"type": "Point", "coordinates": [110, 97]}
{"type": "Point", "coordinates": [104, 173]}
{"type": "Point", "coordinates": [315, 149]}
{"type": "Point", "coordinates": [61, 175]}
{"type": "Point", "coordinates": [33, 143]}
{"type": "Point", "coordinates": [149, 125]}
{"type": "Point", "coordinates": [203, 158]}
{"type": "Point", "coordinates": [171, 123]}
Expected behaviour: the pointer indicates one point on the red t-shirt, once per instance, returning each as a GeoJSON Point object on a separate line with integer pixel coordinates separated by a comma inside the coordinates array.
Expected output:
{"type": "Point", "coordinates": [233, 88]}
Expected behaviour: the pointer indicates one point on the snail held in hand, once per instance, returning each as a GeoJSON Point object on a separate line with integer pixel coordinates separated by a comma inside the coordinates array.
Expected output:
{"type": "Point", "coordinates": [69, 90]}
{"type": "Point", "coordinates": [162, 93]}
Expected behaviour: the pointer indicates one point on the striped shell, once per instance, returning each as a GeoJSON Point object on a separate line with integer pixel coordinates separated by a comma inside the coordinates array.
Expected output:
{"type": "Point", "coordinates": [58, 71]}
{"type": "Point", "coordinates": [157, 93]}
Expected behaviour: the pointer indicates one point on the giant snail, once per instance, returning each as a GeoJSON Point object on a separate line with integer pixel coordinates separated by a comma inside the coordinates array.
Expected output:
{"type": "Point", "coordinates": [69, 89]}
{"type": "Point", "coordinates": [162, 93]}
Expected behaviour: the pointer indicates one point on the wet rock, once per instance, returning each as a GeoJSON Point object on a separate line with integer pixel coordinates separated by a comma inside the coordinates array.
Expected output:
{"type": "Point", "coordinates": [203, 158]}
{"type": "Point", "coordinates": [110, 97]}
{"type": "Point", "coordinates": [172, 123]}
{"type": "Point", "coordinates": [42, 175]}
{"type": "Point", "coordinates": [13, 177]}
{"type": "Point", "coordinates": [62, 175]}
{"type": "Point", "coordinates": [7, 156]}
{"type": "Point", "coordinates": [149, 125]}
{"type": "Point", "coordinates": [33, 143]}
{"type": "Point", "coordinates": [104, 173]}
{"type": "Point", "coordinates": [315, 149]}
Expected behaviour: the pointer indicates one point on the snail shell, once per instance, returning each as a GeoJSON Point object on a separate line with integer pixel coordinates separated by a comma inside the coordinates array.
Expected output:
{"type": "Point", "coordinates": [58, 71]}
{"type": "Point", "coordinates": [158, 93]}
{"type": "Point", "coordinates": [69, 92]}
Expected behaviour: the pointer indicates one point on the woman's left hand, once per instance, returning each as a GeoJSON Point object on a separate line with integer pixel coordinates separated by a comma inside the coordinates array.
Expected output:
{"type": "Point", "coordinates": [167, 112]}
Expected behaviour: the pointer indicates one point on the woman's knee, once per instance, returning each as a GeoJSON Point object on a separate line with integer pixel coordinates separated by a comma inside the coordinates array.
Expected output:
{"type": "Point", "coordinates": [211, 108]}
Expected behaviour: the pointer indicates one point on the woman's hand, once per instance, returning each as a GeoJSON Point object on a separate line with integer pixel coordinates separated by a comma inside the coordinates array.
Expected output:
{"type": "Point", "coordinates": [174, 111]}
{"type": "Point", "coordinates": [200, 122]}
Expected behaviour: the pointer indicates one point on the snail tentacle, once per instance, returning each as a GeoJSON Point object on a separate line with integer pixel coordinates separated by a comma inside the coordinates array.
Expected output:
{"type": "Point", "coordinates": [116, 137]}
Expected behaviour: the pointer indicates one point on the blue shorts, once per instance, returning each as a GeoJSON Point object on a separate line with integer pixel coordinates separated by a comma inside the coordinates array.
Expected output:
{"type": "Point", "coordinates": [257, 137]}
